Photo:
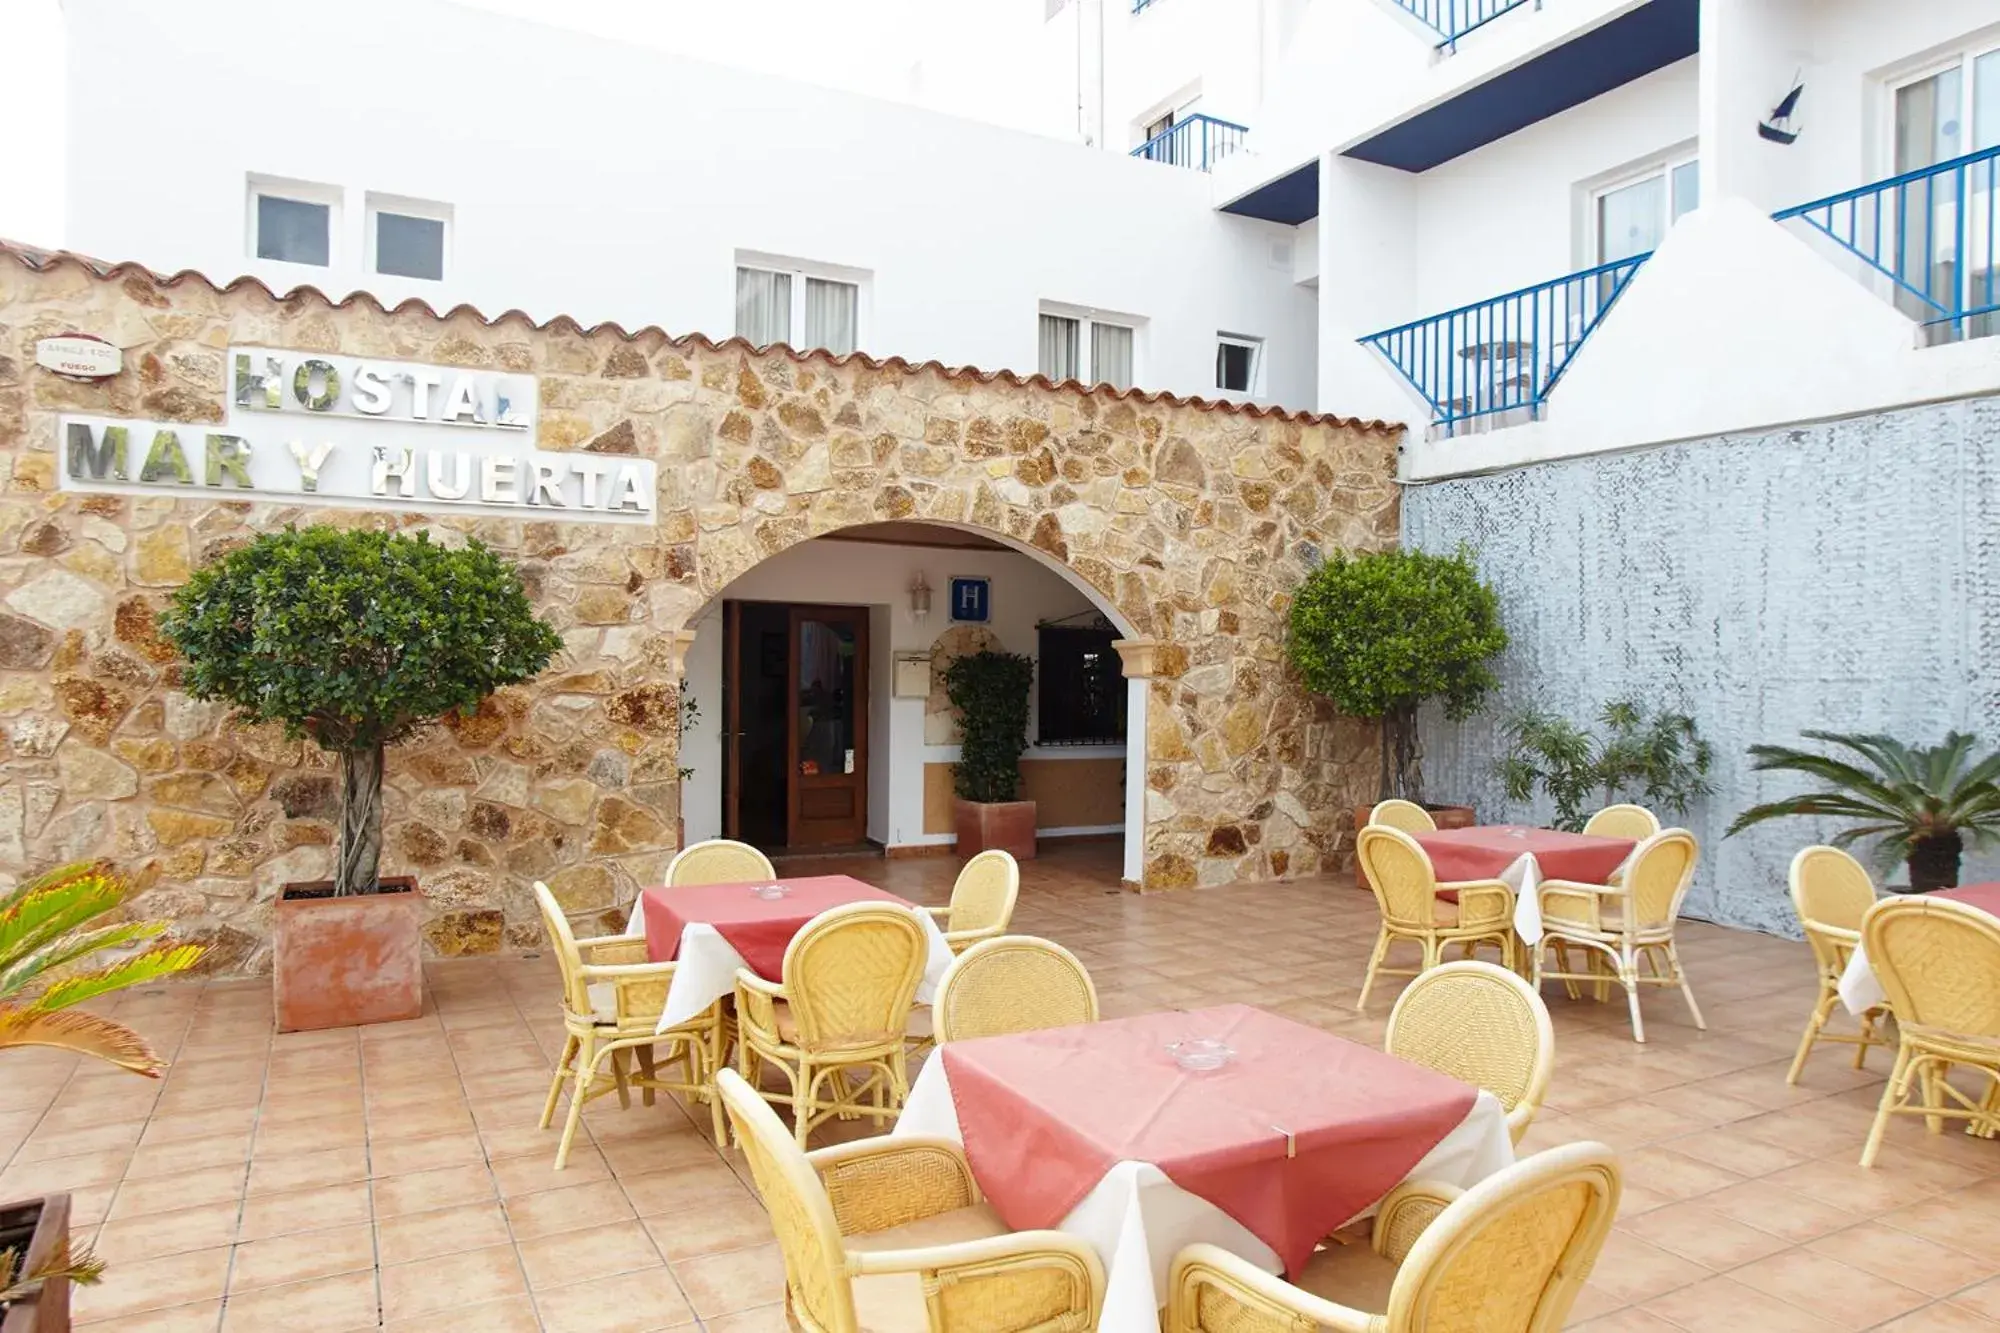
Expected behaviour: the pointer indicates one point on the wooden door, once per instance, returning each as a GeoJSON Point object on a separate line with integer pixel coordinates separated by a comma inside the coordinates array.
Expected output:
{"type": "Point", "coordinates": [827, 684]}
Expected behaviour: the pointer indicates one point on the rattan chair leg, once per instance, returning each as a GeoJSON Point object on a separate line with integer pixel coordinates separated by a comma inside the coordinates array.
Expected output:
{"type": "Point", "coordinates": [1822, 1010]}
{"type": "Point", "coordinates": [1680, 975]}
{"type": "Point", "coordinates": [1892, 1093]}
{"type": "Point", "coordinates": [583, 1072]}
{"type": "Point", "coordinates": [647, 1072]}
{"type": "Point", "coordinates": [1628, 977]}
{"type": "Point", "coordinates": [556, 1082]}
{"type": "Point", "coordinates": [1375, 961]}
{"type": "Point", "coordinates": [620, 1077]}
{"type": "Point", "coordinates": [1868, 1038]}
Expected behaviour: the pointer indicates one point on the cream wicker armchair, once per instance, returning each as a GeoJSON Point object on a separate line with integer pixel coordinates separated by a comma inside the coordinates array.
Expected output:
{"type": "Point", "coordinates": [892, 1234]}
{"type": "Point", "coordinates": [719, 861]}
{"type": "Point", "coordinates": [982, 900]}
{"type": "Point", "coordinates": [1482, 1025]}
{"type": "Point", "coordinates": [842, 1009]}
{"type": "Point", "coordinates": [1406, 889]}
{"type": "Point", "coordinates": [1623, 821]}
{"type": "Point", "coordinates": [1939, 964]}
{"type": "Point", "coordinates": [1625, 922]}
{"type": "Point", "coordinates": [1405, 815]}
{"type": "Point", "coordinates": [1016, 983]}
{"type": "Point", "coordinates": [612, 1001]}
{"type": "Point", "coordinates": [1832, 893]}
{"type": "Point", "coordinates": [1507, 1256]}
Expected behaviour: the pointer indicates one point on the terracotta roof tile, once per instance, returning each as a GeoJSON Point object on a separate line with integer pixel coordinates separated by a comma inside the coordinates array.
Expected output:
{"type": "Point", "coordinates": [37, 258]}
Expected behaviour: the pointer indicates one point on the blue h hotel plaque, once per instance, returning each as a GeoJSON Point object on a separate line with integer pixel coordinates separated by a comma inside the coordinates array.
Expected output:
{"type": "Point", "coordinates": [971, 600]}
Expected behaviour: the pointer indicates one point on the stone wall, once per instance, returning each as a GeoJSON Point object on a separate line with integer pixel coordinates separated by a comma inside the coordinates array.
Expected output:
{"type": "Point", "coordinates": [1843, 575]}
{"type": "Point", "coordinates": [1193, 522]}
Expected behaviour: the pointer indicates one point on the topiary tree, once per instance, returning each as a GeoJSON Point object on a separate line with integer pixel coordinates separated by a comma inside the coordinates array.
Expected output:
{"type": "Point", "coordinates": [1378, 634]}
{"type": "Point", "coordinates": [356, 639]}
{"type": "Point", "coordinates": [990, 692]}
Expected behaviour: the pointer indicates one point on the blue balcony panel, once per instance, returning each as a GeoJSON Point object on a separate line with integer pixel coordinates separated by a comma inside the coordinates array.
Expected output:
{"type": "Point", "coordinates": [1631, 46]}
{"type": "Point", "coordinates": [1292, 198]}
{"type": "Point", "coordinates": [1197, 141]}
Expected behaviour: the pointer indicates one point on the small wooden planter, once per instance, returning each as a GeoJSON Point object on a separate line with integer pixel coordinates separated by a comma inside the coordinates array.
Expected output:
{"type": "Point", "coordinates": [336, 962]}
{"type": "Point", "coordinates": [42, 1225]}
{"type": "Point", "coordinates": [985, 826]}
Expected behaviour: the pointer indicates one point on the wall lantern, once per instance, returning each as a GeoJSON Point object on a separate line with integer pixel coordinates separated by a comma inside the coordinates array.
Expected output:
{"type": "Point", "coordinates": [920, 598]}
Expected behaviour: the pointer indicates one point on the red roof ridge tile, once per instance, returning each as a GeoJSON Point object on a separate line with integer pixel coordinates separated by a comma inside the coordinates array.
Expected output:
{"type": "Point", "coordinates": [39, 259]}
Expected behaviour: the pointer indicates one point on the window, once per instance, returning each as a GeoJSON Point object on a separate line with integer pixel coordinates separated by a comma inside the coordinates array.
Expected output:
{"type": "Point", "coordinates": [1631, 217]}
{"type": "Point", "coordinates": [1080, 686]}
{"type": "Point", "coordinates": [794, 306]}
{"type": "Point", "coordinates": [407, 237]}
{"type": "Point", "coordinates": [1239, 363]}
{"type": "Point", "coordinates": [1154, 129]}
{"type": "Point", "coordinates": [1066, 340]}
{"type": "Point", "coordinates": [1947, 113]}
{"type": "Point", "coordinates": [293, 222]}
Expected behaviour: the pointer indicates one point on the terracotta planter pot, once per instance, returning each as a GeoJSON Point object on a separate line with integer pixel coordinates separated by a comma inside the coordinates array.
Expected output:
{"type": "Point", "coordinates": [1446, 816]}
{"type": "Point", "coordinates": [336, 962]}
{"type": "Point", "coordinates": [41, 1226]}
{"type": "Point", "coordinates": [1008, 826]}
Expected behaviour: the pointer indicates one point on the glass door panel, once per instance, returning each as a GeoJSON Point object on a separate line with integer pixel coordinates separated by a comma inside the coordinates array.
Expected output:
{"type": "Point", "coordinates": [829, 725]}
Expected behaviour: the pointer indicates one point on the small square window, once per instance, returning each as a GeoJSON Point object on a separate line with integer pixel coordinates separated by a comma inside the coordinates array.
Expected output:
{"type": "Point", "coordinates": [1237, 363]}
{"type": "Point", "coordinates": [409, 247]}
{"type": "Point", "coordinates": [296, 231]}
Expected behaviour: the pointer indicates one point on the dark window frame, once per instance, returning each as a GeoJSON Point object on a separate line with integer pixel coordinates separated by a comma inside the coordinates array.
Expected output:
{"type": "Point", "coordinates": [1079, 686]}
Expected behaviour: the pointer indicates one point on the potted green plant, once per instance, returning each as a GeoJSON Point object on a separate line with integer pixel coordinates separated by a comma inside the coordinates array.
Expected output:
{"type": "Point", "coordinates": [56, 952]}
{"type": "Point", "coordinates": [1924, 802]}
{"type": "Point", "coordinates": [1382, 633]}
{"type": "Point", "coordinates": [356, 639]}
{"type": "Point", "coordinates": [990, 691]}
{"type": "Point", "coordinates": [1660, 760]}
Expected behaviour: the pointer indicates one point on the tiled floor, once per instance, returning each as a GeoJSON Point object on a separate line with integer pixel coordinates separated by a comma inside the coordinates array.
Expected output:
{"type": "Point", "coordinates": [393, 1177]}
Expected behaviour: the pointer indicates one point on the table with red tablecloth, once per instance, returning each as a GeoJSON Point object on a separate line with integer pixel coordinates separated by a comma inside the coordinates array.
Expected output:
{"type": "Point", "coordinates": [1860, 991]}
{"type": "Point", "coordinates": [1522, 858]}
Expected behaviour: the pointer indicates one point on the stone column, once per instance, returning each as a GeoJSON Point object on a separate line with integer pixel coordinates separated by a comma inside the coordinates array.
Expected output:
{"type": "Point", "coordinates": [1140, 660]}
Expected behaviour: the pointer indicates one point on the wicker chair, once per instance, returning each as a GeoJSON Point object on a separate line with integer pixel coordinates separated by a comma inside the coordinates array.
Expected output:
{"type": "Point", "coordinates": [982, 900]}
{"type": "Point", "coordinates": [1939, 964]}
{"type": "Point", "coordinates": [1626, 922]}
{"type": "Point", "coordinates": [1832, 892]}
{"type": "Point", "coordinates": [1405, 815]}
{"type": "Point", "coordinates": [1406, 889]}
{"type": "Point", "coordinates": [1623, 821]}
{"type": "Point", "coordinates": [892, 1234]}
{"type": "Point", "coordinates": [1507, 1256]}
{"type": "Point", "coordinates": [1016, 983]}
{"type": "Point", "coordinates": [719, 861]}
{"type": "Point", "coordinates": [835, 1025]}
{"type": "Point", "coordinates": [612, 1000]}
{"type": "Point", "coordinates": [1482, 1025]}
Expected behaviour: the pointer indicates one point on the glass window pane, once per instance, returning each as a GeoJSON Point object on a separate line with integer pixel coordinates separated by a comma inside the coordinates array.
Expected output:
{"type": "Point", "coordinates": [832, 315]}
{"type": "Point", "coordinates": [1235, 365]}
{"type": "Point", "coordinates": [826, 698]}
{"type": "Point", "coordinates": [1057, 351]}
{"type": "Point", "coordinates": [294, 230]}
{"type": "Point", "coordinates": [1111, 355]}
{"type": "Point", "coordinates": [1687, 188]}
{"type": "Point", "coordinates": [763, 306]}
{"type": "Point", "coordinates": [1630, 219]}
{"type": "Point", "coordinates": [1986, 102]}
{"type": "Point", "coordinates": [1927, 121]}
{"type": "Point", "coordinates": [409, 247]}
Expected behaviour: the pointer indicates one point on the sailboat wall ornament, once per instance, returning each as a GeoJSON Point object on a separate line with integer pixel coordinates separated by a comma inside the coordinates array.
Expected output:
{"type": "Point", "coordinates": [1779, 127]}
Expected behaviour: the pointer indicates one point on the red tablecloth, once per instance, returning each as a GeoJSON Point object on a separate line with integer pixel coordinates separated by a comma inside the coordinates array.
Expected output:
{"type": "Point", "coordinates": [1986, 897]}
{"type": "Point", "coordinates": [1483, 852]}
{"type": "Point", "coordinates": [1045, 1114]}
{"type": "Point", "coordinates": [757, 928]}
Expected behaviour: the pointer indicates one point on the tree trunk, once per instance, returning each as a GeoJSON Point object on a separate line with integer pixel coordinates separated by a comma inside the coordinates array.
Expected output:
{"type": "Point", "coordinates": [1933, 862]}
{"type": "Point", "coordinates": [358, 858]}
{"type": "Point", "coordinates": [1402, 756]}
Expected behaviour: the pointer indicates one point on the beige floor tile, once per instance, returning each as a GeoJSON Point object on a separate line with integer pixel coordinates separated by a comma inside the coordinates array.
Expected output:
{"type": "Point", "coordinates": [450, 1281]}
{"type": "Point", "coordinates": [1983, 1299]}
{"type": "Point", "coordinates": [416, 1236]}
{"type": "Point", "coordinates": [268, 1215]}
{"type": "Point", "coordinates": [199, 1317]}
{"type": "Point", "coordinates": [1705, 1236]}
{"type": "Point", "coordinates": [407, 1156]}
{"type": "Point", "coordinates": [704, 1186]}
{"type": "Point", "coordinates": [156, 1234]}
{"type": "Point", "coordinates": [425, 1191]}
{"type": "Point", "coordinates": [514, 1314]}
{"type": "Point", "coordinates": [581, 1256]}
{"type": "Point", "coordinates": [711, 1229]}
{"type": "Point", "coordinates": [331, 1166]}
{"type": "Point", "coordinates": [1940, 1318]}
{"type": "Point", "coordinates": [1767, 1207]}
{"type": "Point", "coordinates": [580, 1206]}
{"type": "Point", "coordinates": [1626, 1321]}
{"type": "Point", "coordinates": [154, 1284]}
{"type": "Point", "coordinates": [763, 1319]}
{"type": "Point", "coordinates": [1834, 1291]}
{"type": "Point", "coordinates": [628, 1303]}
{"type": "Point", "coordinates": [169, 1194]}
{"type": "Point", "coordinates": [1898, 1256]}
{"type": "Point", "coordinates": [300, 1257]}
{"type": "Point", "coordinates": [720, 1284]}
{"type": "Point", "coordinates": [169, 1159]}
{"type": "Point", "coordinates": [1722, 1305]}
{"type": "Point", "coordinates": [529, 1175]}
{"type": "Point", "coordinates": [344, 1304]}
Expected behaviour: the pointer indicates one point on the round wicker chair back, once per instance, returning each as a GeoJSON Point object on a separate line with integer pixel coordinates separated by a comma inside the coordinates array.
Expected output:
{"type": "Point", "coordinates": [1400, 872]}
{"type": "Point", "coordinates": [801, 1214]}
{"type": "Point", "coordinates": [1938, 962]}
{"type": "Point", "coordinates": [1480, 1024]}
{"type": "Point", "coordinates": [1657, 878]}
{"type": "Point", "coordinates": [1405, 815]}
{"type": "Point", "coordinates": [1623, 821]}
{"type": "Point", "coordinates": [851, 976]}
{"type": "Point", "coordinates": [1015, 983]}
{"type": "Point", "coordinates": [569, 959]}
{"type": "Point", "coordinates": [719, 861]}
{"type": "Point", "coordinates": [983, 896]}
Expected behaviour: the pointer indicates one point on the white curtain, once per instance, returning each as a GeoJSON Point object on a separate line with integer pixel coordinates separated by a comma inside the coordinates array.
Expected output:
{"type": "Point", "coordinates": [832, 315]}
{"type": "Point", "coordinates": [763, 306]}
{"type": "Point", "coordinates": [1111, 355]}
{"type": "Point", "coordinates": [1059, 360]}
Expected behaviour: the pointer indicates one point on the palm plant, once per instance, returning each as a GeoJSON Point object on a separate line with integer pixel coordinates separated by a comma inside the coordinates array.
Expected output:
{"type": "Point", "coordinates": [1923, 801]}
{"type": "Point", "coordinates": [1661, 759]}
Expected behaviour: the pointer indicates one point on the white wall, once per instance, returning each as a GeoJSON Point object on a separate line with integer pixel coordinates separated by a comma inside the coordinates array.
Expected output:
{"type": "Point", "coordinates": [847, 573]}
{"type": "Point", "coordinates": [618, 183]}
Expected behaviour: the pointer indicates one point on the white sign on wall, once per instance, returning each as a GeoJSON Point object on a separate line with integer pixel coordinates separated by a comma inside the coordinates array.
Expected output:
{"type": "Point", "coordinates": [360, 433]}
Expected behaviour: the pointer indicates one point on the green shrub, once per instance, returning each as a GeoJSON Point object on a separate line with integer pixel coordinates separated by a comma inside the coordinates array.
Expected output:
{"type": "Point", "coordinates": [1661, 761]}
{"type": "Point", "coordinates": [355, 639]}
{"type": "Point", "coordinates": [1379, 634]}
{"type": "Point", "coordinates": [990, 692]}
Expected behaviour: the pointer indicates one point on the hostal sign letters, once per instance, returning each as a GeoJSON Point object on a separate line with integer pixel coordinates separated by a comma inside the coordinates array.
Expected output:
{"type": "Point", "coordinates": [360, 433]}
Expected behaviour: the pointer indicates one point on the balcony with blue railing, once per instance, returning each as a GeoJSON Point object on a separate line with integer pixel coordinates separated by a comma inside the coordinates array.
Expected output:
{"type": "Point", "coordinates": [1198, 141]}
{"type": "Point", "coordinates": [1452, 19]}
{"type": "Point", "coordinates": [1495, 362]}
{"type": "Point", "coordinates": [1930, 237]}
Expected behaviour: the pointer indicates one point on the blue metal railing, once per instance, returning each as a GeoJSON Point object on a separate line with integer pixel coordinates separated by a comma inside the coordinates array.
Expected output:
{"type": "Point", "coordinates": [1454, 18]}
{"type": "Point", "coordinates": [1505, 354]}
{"type": "Point", "coordinates": [1932, 232]}
{"type": "Point", "coordinates": [1200, 141]}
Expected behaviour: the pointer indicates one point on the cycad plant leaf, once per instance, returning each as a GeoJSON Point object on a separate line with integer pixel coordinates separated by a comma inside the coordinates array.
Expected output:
{"type": "Point", "coordinates": [51, 905]}
{"type": "Point", "coordinates": [86, 1034]}
{"type": "Point", "coordinates": [65, 950]}
{"type": "Point", "coordinates": [133, 971]}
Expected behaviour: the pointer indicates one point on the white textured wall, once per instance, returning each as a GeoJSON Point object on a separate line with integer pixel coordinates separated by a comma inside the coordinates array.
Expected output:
{"type": "Point", "coordinates": [1844, 575]}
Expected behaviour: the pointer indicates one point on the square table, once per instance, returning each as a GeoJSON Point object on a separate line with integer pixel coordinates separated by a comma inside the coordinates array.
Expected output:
{"type": "Point", "coordinates": [1097, 1131]}
{"type": "Point", "coordinates": [1522, 858]}
{"type": "Point", "coordinates": [711, 930]}
{"type": "Point", "coordinates": [1859, 989]}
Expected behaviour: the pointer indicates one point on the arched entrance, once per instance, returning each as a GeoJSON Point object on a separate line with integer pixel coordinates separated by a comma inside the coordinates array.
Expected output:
{"type": "Point", "coordinates": [821, 716]}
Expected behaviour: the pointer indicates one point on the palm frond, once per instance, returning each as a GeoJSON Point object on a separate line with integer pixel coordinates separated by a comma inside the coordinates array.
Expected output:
{"type": "Point", "coordinates": [65, 950]}
{"type": "Point", "coordinates": [41, 916]}
{"type": "Point", "coordinates": [86, 1034]}
{"type": "Point", "coordinates": [133, 971]}
{"type": "Point", "coordinates": [77, 1263]}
